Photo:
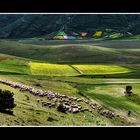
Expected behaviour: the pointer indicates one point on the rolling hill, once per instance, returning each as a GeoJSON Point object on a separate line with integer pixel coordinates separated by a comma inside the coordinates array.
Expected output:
{"type": "Point", "coordinates": [116, 52]}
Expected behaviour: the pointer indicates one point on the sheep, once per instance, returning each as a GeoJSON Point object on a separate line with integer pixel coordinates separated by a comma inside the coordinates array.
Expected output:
{"type": "Point", "coordinates": [75, 110]}
{"type": "Point", "coordinates": [92, 104]}
{"type": "Point", "coordinates": [56, 97]}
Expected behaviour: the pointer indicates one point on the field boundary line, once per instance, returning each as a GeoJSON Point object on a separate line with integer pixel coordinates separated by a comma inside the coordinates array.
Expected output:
{"type": "Point", "coordinates": [75, 68]}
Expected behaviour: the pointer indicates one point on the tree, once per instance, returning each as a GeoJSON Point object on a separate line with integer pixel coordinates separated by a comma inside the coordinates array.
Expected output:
{"type": "Point", "coordinates": [128, 90]}
{"type": "Point", "coordinates": [6, 101]}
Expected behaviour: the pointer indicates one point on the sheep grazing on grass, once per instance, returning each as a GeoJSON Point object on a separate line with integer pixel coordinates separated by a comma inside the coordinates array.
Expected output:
{"type": "Point", "coordinates": [64, 100]}
{"type": "Point", "coordinates": [48, 104]}
{"type": "Point", "coordinates": [75, 110]}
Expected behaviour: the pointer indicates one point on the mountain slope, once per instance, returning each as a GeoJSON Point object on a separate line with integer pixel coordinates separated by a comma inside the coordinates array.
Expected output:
{"type": "Point", "coordinates": [24, 26]}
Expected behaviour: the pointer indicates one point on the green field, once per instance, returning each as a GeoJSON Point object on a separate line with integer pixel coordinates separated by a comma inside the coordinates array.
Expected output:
{"type": "Point", "coordinates": [14, 65]}
{"type": "Point", "coordinates": [102, 69]}
{"type": "Point", "coordinates": [67, 70]}
{"type": "Point", "coordinates": [30, 113]}
{"type": "Point", "coordinates": [17, 65]}
{"type": "Point", "coordinates": [99, 70]}
{"type": "Point", "coordinates": [52, 69]}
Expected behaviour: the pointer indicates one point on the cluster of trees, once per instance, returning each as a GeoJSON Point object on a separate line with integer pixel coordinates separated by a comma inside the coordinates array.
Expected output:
{"type": "Point", "coordinates": [6, 101]}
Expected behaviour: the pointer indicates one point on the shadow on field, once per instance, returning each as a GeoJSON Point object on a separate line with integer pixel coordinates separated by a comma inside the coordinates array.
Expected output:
{"type": "Point", "coordinates": [8, 112]}
{"type": "Point", "coordinates": [11, 73]}
{"type": "Point", "coordinates": [119, 75]}
{"type": "Point", "coordinates": [122, 103]}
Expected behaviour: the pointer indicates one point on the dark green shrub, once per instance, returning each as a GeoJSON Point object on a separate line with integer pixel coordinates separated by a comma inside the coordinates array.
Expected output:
{"type": "Point", "coordinates": [38, 85]}
{"type": "Point", "coordinates": [128, 89]}
{"type": "Point", "coordinates": [61, 108]}
{"type": "Point", "coordinates": [6, 101]}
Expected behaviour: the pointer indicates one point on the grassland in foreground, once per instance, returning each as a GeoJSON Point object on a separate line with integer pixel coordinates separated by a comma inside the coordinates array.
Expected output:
{"type": "Point", "coordinates": [29, 112]}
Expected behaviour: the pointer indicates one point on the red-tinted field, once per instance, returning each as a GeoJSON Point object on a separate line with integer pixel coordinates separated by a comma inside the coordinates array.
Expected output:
{"type": "Point", "coordinates": [2, 58]}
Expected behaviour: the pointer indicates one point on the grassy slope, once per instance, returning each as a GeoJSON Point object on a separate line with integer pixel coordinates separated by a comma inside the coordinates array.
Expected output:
{"type": "Point", "coordinates": [110, 93]}
{"type": "Point", "coordinates": [29, 112]}
{"type": "Point", "coordinates": [112, 96]}
{"type": "Point", "coordinates": [13, 65]}
{"type": "Point", "coordinates": [100, 53]}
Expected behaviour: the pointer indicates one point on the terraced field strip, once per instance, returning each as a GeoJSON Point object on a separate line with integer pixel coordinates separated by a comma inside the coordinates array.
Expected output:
{"type": "Point", "coordinates": [102, 69]}
{"type": "Point", "coordinates": [47, 69]}
{"type": "Point", "coordinates": [13, 66]}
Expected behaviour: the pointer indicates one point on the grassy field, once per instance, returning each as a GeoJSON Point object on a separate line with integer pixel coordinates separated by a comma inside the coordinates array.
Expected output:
{"type": "Point", "coordinates": [110, 93]}
{"type": "Point", "coordinates": [75, 70]}
{"type": "Point", "coordinates": [52, 69]}
{"type": "Point", "coordinates": [100, 70]}
{"type": "Point", "coordinates": [14, 65]}
{"type": "Point", "coordinates": [29, 112]}
{"type": "Point", "coordinates": [18, 65]}
{"type": "Point", "coordinates": [112, 96]}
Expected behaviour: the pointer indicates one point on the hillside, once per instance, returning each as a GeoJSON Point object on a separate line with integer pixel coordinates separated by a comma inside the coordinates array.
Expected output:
{"type": "Point", "coordinates": [30, 112]}
{"type": "Point", "coordinates": [70, 69]}
{"type": "Point", "coordinates": [108, 93]}
{"type": "Point", "coordinates": [106, 52]}
{"type": "Point", "coordinates": [82, 70]}
{"type": "Point", "coordinates": [25, 26]}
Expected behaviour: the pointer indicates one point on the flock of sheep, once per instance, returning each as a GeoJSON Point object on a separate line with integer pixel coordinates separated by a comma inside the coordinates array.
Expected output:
{"type": "Point", "coordinates": [67, 102]}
